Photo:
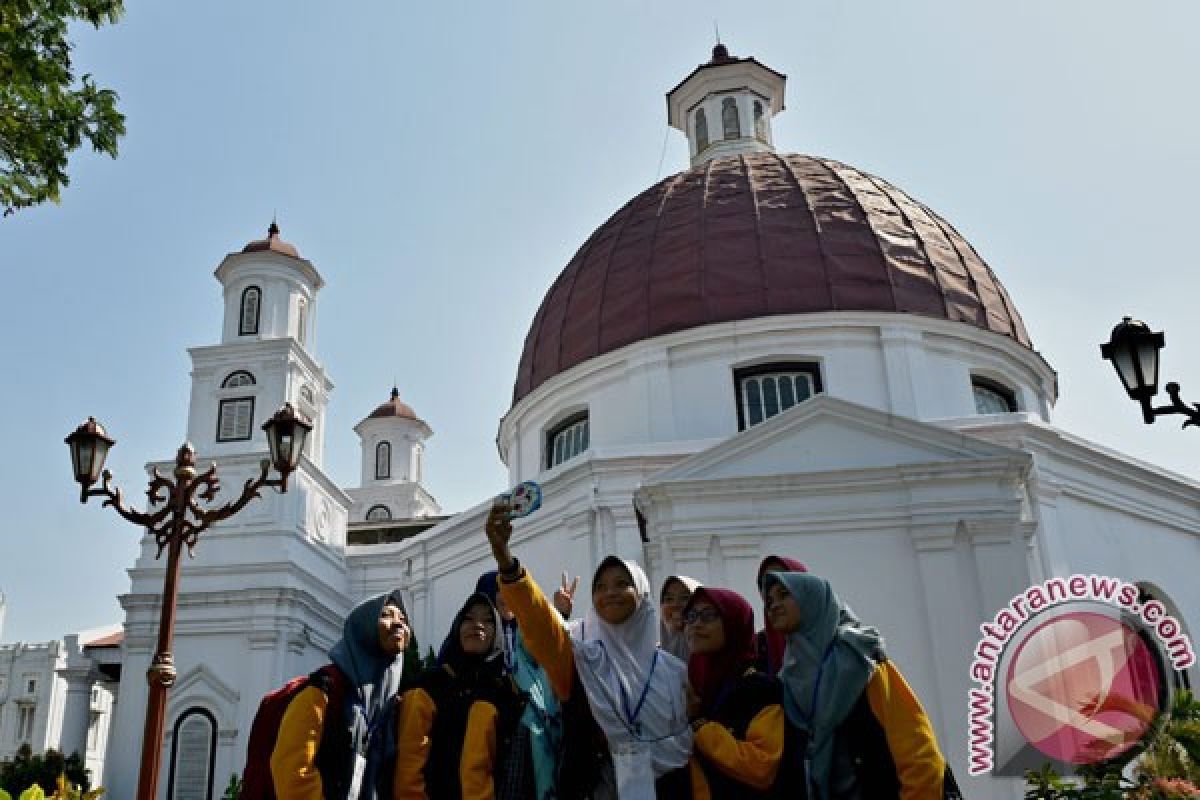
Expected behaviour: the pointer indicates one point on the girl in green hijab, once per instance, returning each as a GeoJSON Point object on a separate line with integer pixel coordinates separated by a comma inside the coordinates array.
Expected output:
{"type": "Point", "coordinates": [864, 732]}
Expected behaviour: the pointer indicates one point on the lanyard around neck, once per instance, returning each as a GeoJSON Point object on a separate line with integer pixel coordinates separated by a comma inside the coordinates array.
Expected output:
{"type": "Point", "coordinates": [632, 717]}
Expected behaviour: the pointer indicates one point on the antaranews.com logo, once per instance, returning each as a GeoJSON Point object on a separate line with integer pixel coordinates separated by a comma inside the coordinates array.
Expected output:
{"type": "Point", "coordinates": [1073, 669]}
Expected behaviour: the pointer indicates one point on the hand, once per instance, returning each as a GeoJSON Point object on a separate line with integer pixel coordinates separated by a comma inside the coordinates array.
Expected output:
{"type": "Point", "coordinates": [499, 530]}
{"type": "Point", "coordinates": [564, 596]}
{"type": "Point", "coordinates": [693, 702]}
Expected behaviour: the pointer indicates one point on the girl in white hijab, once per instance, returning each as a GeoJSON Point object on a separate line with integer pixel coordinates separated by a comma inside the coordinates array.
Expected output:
{"type": "Point", "coordinates": [625, 710]}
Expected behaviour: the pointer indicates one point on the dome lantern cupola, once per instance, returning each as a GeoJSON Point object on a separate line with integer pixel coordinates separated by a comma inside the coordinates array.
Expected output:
{"type": "Point", "coordinates": [725, 106]}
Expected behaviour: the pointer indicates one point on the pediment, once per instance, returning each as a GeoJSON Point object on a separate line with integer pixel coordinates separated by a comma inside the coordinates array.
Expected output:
{"type": "Point", "coordinates": [202, 680]}
{"type": "Point", "coordinates": [826, 434]}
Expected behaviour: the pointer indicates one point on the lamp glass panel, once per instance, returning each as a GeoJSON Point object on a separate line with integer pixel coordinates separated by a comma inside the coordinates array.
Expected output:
{"type": "Point", "coordinates": [84, 450]}
{"type": "Point", "coordinates": [300, 436]}
{"type": "Point", "coordinates": [1148, 357]}
{"type": "Point", "coordinates": [1122, 358]}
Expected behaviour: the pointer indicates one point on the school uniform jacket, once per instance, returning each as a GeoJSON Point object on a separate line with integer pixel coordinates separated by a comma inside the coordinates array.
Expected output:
{"type": "Point", "coordinates": [891, 744]}
{"type": "Point", "coordinates": [448, 737]}
{"type": "Point", "coordinates": [738, 751]}
{"type": "Point", "coordinates": [303, 766]}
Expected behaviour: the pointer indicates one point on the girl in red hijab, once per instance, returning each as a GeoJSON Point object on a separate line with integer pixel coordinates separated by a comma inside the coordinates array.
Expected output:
{"type": "Point", "coordinates": [736, 711]}
{"type": "Point", "coordinates": [770, 642]}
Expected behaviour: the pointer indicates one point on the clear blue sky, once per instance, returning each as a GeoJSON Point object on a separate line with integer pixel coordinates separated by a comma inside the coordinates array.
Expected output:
{"type": "Point", "coordinates": [430, 157]}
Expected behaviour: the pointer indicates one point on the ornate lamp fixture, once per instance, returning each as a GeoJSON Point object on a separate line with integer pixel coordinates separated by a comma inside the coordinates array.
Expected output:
{"type": "Point", "coordinates": [1133, 350]}
{"type": "Point", "coordinates": [178, 522]}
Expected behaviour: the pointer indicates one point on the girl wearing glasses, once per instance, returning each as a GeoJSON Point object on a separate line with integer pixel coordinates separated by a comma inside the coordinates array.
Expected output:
{"type": "Point", "coordinates": [737, 712]}
{"type": "Point", "coordinates": [459, 716]}
{"type": "Point", "coordinates": [626, 731]}
{"type": "Point", "coordinates": [866, 732]}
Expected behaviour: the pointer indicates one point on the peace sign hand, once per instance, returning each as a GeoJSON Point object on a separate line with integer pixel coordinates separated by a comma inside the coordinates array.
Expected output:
{"type": "Point", "coordinates": [564, 595]}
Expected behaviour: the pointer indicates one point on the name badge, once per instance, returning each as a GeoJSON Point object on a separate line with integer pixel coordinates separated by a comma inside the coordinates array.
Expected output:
{"type": "Point", "coordinates": [356, 777]}
{"type": "Point", "coordinates": [634, 767]}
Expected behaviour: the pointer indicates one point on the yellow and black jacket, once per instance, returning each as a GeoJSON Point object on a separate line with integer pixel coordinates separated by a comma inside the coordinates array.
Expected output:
{"type": "Point", "coordinates": [449, 733]}
{"type": "Point", "coordinates": [890, 741]}
{"type": "Point", "coordinates": [738, 752]}
{"type": "Point", "coordinates": [311, 760]}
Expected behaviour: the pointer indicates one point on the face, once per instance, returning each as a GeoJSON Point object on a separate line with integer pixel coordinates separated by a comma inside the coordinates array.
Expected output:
{"type": "Point", "coordinates": [613, 595]}
{"type": "Point", "coordinates": [674, 598]}
{"type": "Point", "coordinates": [502, 607]}
{"type": "Point", "coordinates": [705, 629]}
{"type": "Point", "coordinates": [783, 612]}
{"type": "Point", "coordinates": [394, 632]}
{"type": "Point", "coordinates": [477, 631]}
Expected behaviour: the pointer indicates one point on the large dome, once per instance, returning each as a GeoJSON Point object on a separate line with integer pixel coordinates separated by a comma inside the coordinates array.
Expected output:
{"type": "Point", "coordinates": [754, 235]}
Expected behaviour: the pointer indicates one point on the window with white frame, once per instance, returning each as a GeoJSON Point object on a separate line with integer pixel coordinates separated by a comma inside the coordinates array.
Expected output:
{"type": "Point", "coordinates": [567, 440]}
{"type": "Point", "coordinates": [701, 130]}
{"type": "Point", "coordinates": [25, 717]}
{"type": "Point", "coordinates": [383, 460]}
{"type": "Point", "coordinates": [729, 119]}
{"type": "Point", "coordinates": [769, 389]}
{"type": "Point", "coordinates": [93, 734]}
{"type": "Point", "coordinates": [238, 378]}
{"type": "Point", "coordinates": [250, 308]}
{"type": "Point", "coordinates": [30, 682]}
{"type": "Point", "coordinates": [992, 397]}
{"type": "Point", "coordinates": [379, 513]}
{"type": "Point", "coordinates": [760, 122]}
{"type": "Point", "coordinates": [193, 749]}
{"type": "Point", "coordinates": [236, 419]}
{"type": "Point", "coordinates": [302, 322]}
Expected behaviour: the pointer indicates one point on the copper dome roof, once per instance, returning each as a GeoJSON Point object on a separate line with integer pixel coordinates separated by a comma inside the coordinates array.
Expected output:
{"type": "Point", "coordinates": [394, 408]}
{"type": "Point", "coordinates": [754, 235]}
{"type": "Point", "coordinates": [272, 243]}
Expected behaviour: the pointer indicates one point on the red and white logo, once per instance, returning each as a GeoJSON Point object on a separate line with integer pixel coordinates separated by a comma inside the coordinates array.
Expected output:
{"type": "Point", "coordinates": [1083, 687]}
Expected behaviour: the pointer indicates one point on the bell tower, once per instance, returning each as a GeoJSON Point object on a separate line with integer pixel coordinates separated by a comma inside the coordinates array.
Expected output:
{"type": "Point", "coordinates": [725, 106]}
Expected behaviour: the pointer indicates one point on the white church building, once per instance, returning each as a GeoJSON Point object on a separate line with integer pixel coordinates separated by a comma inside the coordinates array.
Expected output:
{"type": "Point", "coordinates": [764, 353]}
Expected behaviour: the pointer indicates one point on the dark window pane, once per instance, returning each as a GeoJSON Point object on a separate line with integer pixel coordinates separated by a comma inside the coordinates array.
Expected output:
{"type": "Point", "coordinates": [787, 396]}
{"type": "Point", "coordinates": [754, 413]}
{"type": "Point", "coordinates": [770, 397]}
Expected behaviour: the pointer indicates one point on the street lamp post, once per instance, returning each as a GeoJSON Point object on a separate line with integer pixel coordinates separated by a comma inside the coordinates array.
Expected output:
{"type": "Point", "coordinates": [1133, 350]}
{"type": "Point", "coordinates": [178, 523]}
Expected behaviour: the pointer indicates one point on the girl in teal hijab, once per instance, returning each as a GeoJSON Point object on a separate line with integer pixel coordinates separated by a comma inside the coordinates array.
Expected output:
{"type": "Point", "coordinates": [835, 674]}
{"type": "Point", "coordinates": [539, 738]}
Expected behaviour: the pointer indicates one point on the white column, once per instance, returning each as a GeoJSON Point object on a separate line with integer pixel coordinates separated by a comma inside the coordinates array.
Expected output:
{"type": "Point", "coordinates": [79, 675]}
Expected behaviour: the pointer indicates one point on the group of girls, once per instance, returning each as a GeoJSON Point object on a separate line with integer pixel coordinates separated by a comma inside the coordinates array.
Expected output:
{"type": "Point", "coordinates": [617, 703]}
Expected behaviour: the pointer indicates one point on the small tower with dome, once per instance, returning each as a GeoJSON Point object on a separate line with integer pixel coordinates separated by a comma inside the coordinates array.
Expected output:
{"type": "Point", "coordinates": [725, 106]}
{"type": "Point", "coordinates": [266, 354]}
{"type": "Point", "coordinates": [392, 440]}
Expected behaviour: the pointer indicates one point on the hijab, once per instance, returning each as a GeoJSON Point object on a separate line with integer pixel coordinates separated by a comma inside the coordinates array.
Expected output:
{"type": "Point", "coordinates": [711, 673]}
{"type": "Point", "coordinates": [625, 675]}
{"type": "Point", "coordinates": [675, 642]}
{"type": "Point", "coordinates": [828, 662]}
{"type": "Point", "coordinates": [474, 668]}
{"type": "Point", "coordinates": [775, 640]}
{"type": "Point", "coordinates": [374, 678]}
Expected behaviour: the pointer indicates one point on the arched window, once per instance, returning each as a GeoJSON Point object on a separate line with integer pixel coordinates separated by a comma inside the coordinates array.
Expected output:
{"type": "Point", "coordinates": [239, 378]}
{"type": "Point", "coordinates": [760, 122]}
{"type": "Point", "coordinates": [251, 301]}
{"type": "Point", "coordinates": [1172, 642]}
{"type": "Point", "coordinates": [701, 131]}
{"type": "Point", "coordinates": [378, 514]}
{"type": "Point", "coordinates": [769, 389]}
{"type": "Point", "coordinates": [302, 322]}
{"type": "Point", "coordinates": [383, 460]}
{"type": "Point", "coordinates": [193, 752]}
{"type": "Point", "coordinates": [729, 119]}
{"type": "Point", "coordinates": [992, 397]}
{"type": "Point", "coordinates": [567, 440]}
